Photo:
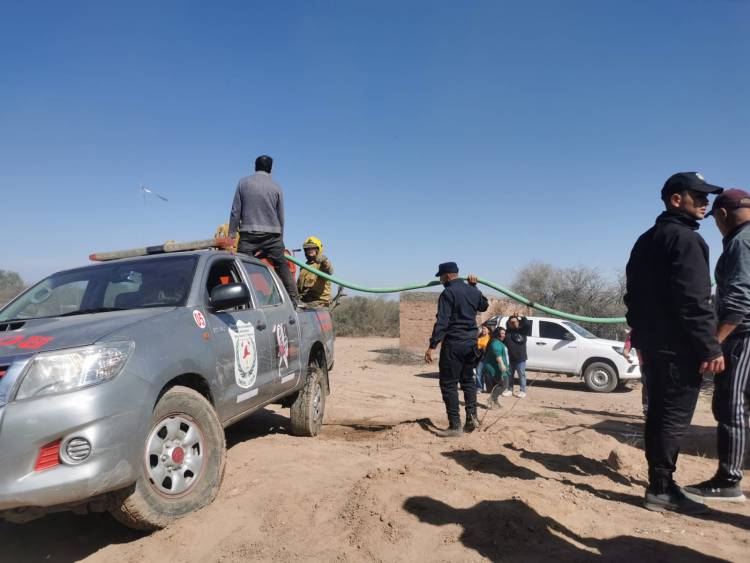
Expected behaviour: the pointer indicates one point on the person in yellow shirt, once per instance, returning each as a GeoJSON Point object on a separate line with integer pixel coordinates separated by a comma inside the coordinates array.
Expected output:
{"type": "Point", "coordinates": [315, 290]}
{"type": "Point", "coordinates": [482, 341]}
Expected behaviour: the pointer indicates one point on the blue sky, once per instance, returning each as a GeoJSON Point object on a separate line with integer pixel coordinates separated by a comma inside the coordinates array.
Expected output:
{"type": "Point", "coordinates": [404, 133]}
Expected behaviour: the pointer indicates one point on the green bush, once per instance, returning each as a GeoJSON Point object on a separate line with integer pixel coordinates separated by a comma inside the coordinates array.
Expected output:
{"type": "Point", "coordinates": [360, 316]}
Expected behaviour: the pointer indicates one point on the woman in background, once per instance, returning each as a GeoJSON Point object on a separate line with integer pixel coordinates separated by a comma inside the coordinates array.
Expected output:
{"type": "Point", "coordinates": [496, 366]}
{"type": "Point", "coordinates": [482, 341]}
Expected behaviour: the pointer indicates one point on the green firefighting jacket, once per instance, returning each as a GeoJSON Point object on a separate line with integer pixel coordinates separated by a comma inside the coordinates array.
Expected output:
{"type": "Point", "coordinates": [312, 287]}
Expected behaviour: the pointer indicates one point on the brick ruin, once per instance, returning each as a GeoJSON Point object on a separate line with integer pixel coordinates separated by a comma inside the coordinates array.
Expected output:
{"type": "Point", "coordinates": [417, 310]}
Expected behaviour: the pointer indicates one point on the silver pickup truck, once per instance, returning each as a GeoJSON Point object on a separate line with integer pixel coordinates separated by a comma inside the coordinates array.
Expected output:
{"type": "Point", "coordinates": [118, 379]}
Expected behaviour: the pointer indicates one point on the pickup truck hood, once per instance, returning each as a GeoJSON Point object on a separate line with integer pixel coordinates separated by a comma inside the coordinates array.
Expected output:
{"type": "Point", "coordinates": [37, 335]}
{"type": "Point", "coordinates": [607, 343]}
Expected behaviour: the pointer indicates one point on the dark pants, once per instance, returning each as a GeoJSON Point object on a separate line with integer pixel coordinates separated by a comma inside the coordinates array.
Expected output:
{"type": "Point", "coordinates": [673, 389]}
{"type": "Point", "coordinates": [730, 407]}
{"type": "Point", "coordinates": [272, 246]}
{"type": "Point", "coordinates": [457, 361]}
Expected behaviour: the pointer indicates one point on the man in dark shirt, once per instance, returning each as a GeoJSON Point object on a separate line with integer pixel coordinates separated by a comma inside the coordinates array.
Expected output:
{"type": "Point", "coordinates": [456, 328]}
{"type": "Point", "coordinates": [731, 401]}
{"type": "Point", "coordinates": [258, 215]}
{"type": "Point", "coordinates": [674, 327]}
{"type": "Point", "coordinates": [518, 331]}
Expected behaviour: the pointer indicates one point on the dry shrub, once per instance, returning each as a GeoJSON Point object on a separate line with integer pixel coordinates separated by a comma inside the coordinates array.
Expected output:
{"type": "Point", "coordinates": [11, 285]}
{"type": "Point", "coordinates": [580, 290]}
{"type": "Point", "coordinates": [362, 316]}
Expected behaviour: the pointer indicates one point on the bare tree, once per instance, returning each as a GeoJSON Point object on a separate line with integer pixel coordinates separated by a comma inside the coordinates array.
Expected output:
{"type": "Point", "coordinates": [11, 285]}
{"type": "Point", "coordinates": [579, 290]}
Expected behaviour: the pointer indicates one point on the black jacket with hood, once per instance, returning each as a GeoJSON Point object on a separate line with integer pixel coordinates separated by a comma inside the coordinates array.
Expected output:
{"type": "Point", "coordinates": [668, 294]}
{"type": "Point", "coordinates": [515, 340]}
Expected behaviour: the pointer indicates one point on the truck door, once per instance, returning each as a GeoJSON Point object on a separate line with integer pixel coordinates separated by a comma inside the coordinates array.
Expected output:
{"type": "Point", "coordinates": [556, 348]}
{"type": "Point", "coordinates": [240, 342]}
{"type": "Point", "coordinates": [283, 329]}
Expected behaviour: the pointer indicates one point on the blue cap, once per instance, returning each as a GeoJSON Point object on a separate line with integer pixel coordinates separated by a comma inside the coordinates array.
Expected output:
{"type": "Point", "coordinates": [447, 268]}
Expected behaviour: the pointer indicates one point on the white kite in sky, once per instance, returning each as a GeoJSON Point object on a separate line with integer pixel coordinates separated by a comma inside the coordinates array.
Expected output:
{"type": "Point", "coordinates": [148, 191]}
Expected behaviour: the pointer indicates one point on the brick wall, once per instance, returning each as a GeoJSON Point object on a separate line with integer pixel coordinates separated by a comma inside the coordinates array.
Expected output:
{"type": "Point", "coordinates": [417, 316]}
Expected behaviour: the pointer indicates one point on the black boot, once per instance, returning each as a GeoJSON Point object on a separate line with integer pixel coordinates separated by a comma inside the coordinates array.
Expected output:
{"type": "Point", "coordinates": [472, 423]}
{"type": "Point", "coordinates": [453, 430]}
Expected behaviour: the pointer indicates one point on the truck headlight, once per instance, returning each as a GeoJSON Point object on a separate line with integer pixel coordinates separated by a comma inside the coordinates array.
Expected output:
{"type": "Point", "coordinates": [74, 368]}
{"type": "Point", "coordinates": [632, 355]}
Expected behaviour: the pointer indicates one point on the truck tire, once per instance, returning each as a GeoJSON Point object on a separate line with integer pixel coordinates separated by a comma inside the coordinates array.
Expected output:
{"type": "Point", "coordinates": [600, 377]}
{"type": "Point", "coordinates": [309, 406]}
{"type": "Point", "coordinates": [182, 465]}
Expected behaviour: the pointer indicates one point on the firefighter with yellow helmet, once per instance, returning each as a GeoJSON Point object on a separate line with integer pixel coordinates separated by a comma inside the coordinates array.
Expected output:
{"type": "Point", "coordinates": [315, 290]}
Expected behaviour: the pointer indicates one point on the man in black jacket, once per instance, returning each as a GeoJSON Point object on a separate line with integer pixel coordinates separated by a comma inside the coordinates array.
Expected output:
{"type": "Point", "coordinates": [456, 328]}
{"type": "Point", "coordinates": [668, 307]}
{"type": "Point", "coordinates": [518, 330]}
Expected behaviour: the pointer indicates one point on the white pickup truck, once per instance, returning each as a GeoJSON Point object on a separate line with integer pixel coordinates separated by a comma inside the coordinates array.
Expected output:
{"type": "Point", "coordinates": [560, 346]}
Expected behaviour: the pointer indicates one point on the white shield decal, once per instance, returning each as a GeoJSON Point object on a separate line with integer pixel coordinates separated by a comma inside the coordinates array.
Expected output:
{"type": "Point", "coordinates": [245, 354]}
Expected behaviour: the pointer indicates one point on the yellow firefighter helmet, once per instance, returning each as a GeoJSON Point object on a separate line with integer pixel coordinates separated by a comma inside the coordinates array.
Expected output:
{"type": "Point", "coordinates": [313, 242]}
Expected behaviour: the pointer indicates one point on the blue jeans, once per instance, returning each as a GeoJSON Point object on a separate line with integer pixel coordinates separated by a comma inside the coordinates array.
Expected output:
{"type": "Point", "coordinates": [520, 368]}
{"type": "Point", "coordinates": [480, 367]}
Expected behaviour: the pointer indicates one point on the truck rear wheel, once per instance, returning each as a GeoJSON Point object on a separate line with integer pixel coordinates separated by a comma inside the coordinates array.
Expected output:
{"type": "Point", "coordinates": [600, 377]}
{"type": "Point", "coordinates": [309, 406]}
{"type": "Point", "coordinates": [182, 465]}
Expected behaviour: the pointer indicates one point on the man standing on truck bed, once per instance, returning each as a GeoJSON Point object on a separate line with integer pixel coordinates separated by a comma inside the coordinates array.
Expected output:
{"type": "Point", "coordinates": [668, 303]}
{"type": "Point", "coordinates": [258, 214]}
{"type": "Point", "coordinates": [456, 328]}
{"type": "Point", "coordinates": [314, 290]}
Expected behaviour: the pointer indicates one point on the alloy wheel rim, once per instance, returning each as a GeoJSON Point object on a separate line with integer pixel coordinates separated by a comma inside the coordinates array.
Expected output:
{"type": "Point", "coordinates": [600, 378]}
{"type": "Point", "coordinates": [175, 451]}
{"type": "Point", "coordinates": [317, 402]}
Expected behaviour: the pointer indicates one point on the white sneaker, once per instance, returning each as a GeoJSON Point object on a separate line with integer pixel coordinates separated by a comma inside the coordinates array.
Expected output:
{"type": "Point", "coordinates": [521, 395]}
{"type": "Point", "coordinates": [506, 393]}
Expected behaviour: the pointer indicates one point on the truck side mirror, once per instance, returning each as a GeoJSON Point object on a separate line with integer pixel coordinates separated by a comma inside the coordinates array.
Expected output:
{"type": "Point", "coordinates": [569, 336]}
{"type": "Point", "coordinates": [230, 295]}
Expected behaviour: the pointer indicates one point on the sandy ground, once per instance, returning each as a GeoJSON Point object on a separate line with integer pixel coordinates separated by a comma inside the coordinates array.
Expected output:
{"type": "Point", "coordinates": [379, 485]}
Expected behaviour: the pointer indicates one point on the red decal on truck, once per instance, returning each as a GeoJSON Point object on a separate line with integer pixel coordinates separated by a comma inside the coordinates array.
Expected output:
{"type": "Point", "coordinates": [35, 342]}
{"type": "Point", "coordinates": [26, 342]}
{"type": "Point", "coordinates": [324, 318]}
{"type": "Point", "coordinates": [10, 340]}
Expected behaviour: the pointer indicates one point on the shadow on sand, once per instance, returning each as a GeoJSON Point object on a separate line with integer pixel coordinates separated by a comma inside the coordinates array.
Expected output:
{"type": "Point", "coordinates": [501, 466]}
{"type": "Point", "coordinates": [511, 530]}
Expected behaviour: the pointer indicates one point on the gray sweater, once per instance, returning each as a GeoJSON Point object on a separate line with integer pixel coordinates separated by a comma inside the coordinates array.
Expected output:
{"type": "Point", "coordinates": [733, 280]}
{"type": "Point", "coordinates": [258, 206]}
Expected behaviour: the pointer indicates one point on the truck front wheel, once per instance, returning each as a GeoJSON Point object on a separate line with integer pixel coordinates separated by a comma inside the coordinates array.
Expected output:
{"type": "Point", "coordinates": [310, 404]}
{"type": "Point", "coordinates": [182, 465]}
{"type": "Point", "coordinates": [600, 377]}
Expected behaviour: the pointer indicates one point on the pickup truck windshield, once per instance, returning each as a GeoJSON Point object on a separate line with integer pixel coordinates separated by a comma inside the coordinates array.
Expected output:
{"type": "Point", "coordinates": [579, 330]}
{"type": "Point", "coordinates": [163, 282]}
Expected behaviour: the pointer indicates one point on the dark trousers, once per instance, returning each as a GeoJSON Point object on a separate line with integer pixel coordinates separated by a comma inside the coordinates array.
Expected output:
{"type": "Point", "coordinates": [272, 246]}
{"type": "Point", "coordinates": [673, 389]}
{"type": "Point", "coordinates": [730, 407]}
{"type": "Point", "coordinates": [457, 361]}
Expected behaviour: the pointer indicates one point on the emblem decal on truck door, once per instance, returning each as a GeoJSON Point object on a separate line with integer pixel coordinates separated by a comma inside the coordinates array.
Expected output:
{"type": "Point", "coordinates": [245, 354]}
{"type": "Point", "coordinates": [282, 347]}
{"type": "Point", "coordinates": [199, 319]}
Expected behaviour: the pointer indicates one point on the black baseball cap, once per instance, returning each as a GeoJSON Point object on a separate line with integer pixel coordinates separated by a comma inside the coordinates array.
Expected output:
{"type": "Point", "coordinates": [447, 268]}
{"type": "Point", "coordinates": [692, 181]}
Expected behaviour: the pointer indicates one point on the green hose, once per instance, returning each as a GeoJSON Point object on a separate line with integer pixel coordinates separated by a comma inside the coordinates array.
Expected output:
{"type": "Point", "coordinates": [501, 289]}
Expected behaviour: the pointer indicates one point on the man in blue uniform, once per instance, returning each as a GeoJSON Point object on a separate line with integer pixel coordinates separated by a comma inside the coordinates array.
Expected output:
{"type": "Point", "coordinates": [456, 328]}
